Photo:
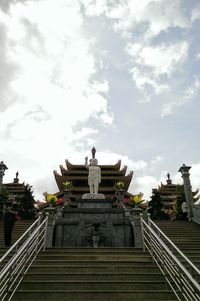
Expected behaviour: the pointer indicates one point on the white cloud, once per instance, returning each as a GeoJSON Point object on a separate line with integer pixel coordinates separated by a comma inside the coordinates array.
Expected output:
{"type": "Point", "coordinates": [163, 59]}
{"type": "Point", "coordinates": [198, 56]}
{"type": "Point", "coordinates": [188, 94]}
{"type": "Point", "coordinates": [152, 62]}
{"type": "Point", "coordinates": [156, 160]}
{"type": "Point", "coordinates": [108, 157]}
{"type": "Point", "coordinates": [54, 86]}
{"type": "Point", "coordinates": [143, 79]}
{"type": "Point", "coordinates": [145, 185]}
{"type": "Point", "coordinates": [55, 74]}
{"type": "Point", "coordinates": [159, 15]}
{"type": "Point", "coordinates": [151, 67]}
{"type": "Point", "coordinates": [195, 15]}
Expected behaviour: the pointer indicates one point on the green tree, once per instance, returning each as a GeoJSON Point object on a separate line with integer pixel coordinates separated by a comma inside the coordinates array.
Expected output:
{"type": "Point", "coordinates": [27, 203]}
{"type": "Point", "coordinates": [155, 206]}
{"type": "Point", "coordinates": [3, 198]}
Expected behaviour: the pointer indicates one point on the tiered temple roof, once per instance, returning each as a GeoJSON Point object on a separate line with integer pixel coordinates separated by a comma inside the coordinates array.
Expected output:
{"type": "Point", "coordinates": [16, 189]}
{"type": "Point", "coordinates": [23, 195]}
{"type": "Point", "coordinates": [170, 193]}
{"type": "Point", "coordinates": [78, 175]}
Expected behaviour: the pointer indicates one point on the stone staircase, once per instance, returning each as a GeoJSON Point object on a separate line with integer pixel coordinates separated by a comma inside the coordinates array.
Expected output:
{"type": "Point", "coordinates": [121, 274]}
{"type": "Point", "coordinates": [67, 274]}
{"type": "Point", "coordinates": [19, 228]}
{"type": "Point", "coordinates": [185, 235]}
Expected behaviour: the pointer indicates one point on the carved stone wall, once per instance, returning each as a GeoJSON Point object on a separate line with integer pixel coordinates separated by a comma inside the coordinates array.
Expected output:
{"type": "Point", "coordinates": [95, 224]}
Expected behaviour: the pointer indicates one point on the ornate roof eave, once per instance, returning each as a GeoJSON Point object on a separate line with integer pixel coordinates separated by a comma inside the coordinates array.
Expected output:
{"type": "Point", "coordinates": [195, 192]}
{"type": "Point", "coordinates": [124, 170]}
{"type": "Point", "coordinates": [60, 179]}
{"type": "Point", "coordinates": [57, 178]}
{"type": "Point", "coordinates": [84, 172]}
{"type": "Point", "coordinates": [82, 166]}
{"type": "Point", "coordinates": [63, 170]}
{"type": "Point", "coordinates": [128, 179]}
{"type": "Point", "coordinates": [14, 184]}
{"type": "Point", "coordinates": [196, 198]}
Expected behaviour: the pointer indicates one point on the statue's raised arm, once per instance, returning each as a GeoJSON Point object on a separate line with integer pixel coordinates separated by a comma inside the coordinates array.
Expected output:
{"type": "Point", "coordinates": [86, 163]}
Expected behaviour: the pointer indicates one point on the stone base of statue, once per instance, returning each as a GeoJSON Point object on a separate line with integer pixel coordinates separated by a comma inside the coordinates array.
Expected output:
{"type": "Point", "coordinates": [93, 196]}
{"type": "Point", "coordinates": [95, 223]}
{"type": "Point", "coordinates": [94, 203]}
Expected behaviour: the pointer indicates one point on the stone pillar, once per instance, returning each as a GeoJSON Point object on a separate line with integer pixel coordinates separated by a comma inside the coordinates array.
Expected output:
{"type": "Point", "coordinates": [121, 195]}
{"type": "Point", "coordinates": [51, 222]}
{"type": "Point", "coordinates": [3, 167]}
{"type": "Point", "coordinates": [121, 199]}
{"type": "Point", "coordinates": [67, 193]}
{"type": "Point", "coordinates": [188, 189]}
{"type": "Point", "coordinates": [135, 221]}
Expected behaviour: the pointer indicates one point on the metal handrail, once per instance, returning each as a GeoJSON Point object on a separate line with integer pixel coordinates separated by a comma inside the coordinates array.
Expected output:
{"type": "Point", "coordinates": [13, 272]}
{"type": "Point", "coordinates": [172, 246]}
{"type": "Point", "coordinates": [181, 281]}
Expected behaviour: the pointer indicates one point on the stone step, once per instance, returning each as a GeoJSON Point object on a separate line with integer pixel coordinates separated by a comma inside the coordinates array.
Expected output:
{"type": "Point", "coordinates": [60, 269]}
{"type": "Point", "coordinates": [98, 257]}
{"type": "Point", "coordinates": [104, 275]}
{"type": "Point", "coordinates": [93, 274]}
{"type": "Point", "coordinates": [137, 261]}
{"type": "Point", "coordinates": [52, 285]}
{"type": "Point", "coordinates": [92, 250]}
{"type": "Point", "coordinates": [94, 295]}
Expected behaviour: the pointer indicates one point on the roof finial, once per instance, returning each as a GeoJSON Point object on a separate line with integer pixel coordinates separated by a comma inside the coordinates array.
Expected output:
{"type": "Point", "coordinates": [93, 152]}
{"type": "Point", "coordinates": [169, 181]}
{"type": "Point", "coordinates": [16, 180]}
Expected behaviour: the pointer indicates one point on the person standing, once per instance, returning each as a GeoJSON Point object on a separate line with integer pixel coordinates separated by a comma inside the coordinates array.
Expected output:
{"type": "Point", "coordinates": [184, 210]}
{"type": "Point", "coordinates": [10, 214]}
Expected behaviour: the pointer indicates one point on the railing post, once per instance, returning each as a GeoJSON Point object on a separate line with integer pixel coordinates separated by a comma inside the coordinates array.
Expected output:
{"type": "Point", "coordinates": [45, 230]}
{"type": "Point", "coordinates": [137, 227]}
{"type": "Point", "coordinates": [142, 231]}
{"type": "Point", "coordinates": [50, 226]}
{"type": "Point", "coordinates": [150, 234]}
{"type": "Point", "coordinates": [37, 240]}
{"type": "Point", "coordinates": [39, 218]}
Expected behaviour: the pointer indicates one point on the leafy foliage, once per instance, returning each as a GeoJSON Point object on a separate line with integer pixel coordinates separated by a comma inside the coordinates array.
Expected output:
{"type": "Point", "coordinates": [27, 203]}
{"type": "Point", "coordinates": [3, 198]}
{"type": "Point", "coordinates": [155, 206]}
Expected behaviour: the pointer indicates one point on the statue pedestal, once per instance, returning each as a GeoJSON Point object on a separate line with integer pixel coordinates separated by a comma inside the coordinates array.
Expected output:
{"type": "Point", "coordinates": [95, 223]}
{"type": "Point", "coordinates": [93, 196]}
{"type": "Point", "coordinates": [94, 203]}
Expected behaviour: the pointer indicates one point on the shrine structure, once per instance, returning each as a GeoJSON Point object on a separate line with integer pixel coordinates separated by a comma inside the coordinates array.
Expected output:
{"type": "Point", "coordinates": [78, 176]}
{"type": "Point", "coordinates": [93, 219]}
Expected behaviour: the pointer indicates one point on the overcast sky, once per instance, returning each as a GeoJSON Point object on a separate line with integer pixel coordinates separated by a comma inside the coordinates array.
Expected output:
{"type": "Point", "coordinates": [120, 75]}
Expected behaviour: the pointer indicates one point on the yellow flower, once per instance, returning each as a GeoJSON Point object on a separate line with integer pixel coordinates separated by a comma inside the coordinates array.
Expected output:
{"type": "Point", "coordinates": [51, 198]}
{"type": "Point", "coordinates": [120, 184]}
{"type": "Point", "coordinates": [67, 184]}
{"type": "Point", "coordinates": [138, 198]}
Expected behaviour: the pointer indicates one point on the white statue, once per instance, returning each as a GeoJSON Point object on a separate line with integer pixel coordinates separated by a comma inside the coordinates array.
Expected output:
{"type": "Point", "coordinates": [94, 177]}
